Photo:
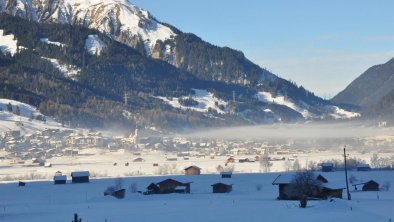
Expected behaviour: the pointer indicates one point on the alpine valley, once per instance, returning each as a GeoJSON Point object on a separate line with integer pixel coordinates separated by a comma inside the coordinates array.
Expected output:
{"type": "Point", "coordinates": [100, 63]}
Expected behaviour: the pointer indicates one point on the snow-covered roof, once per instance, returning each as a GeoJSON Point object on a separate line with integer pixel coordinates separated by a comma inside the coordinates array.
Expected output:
{"type": "Point", "coordinates": [287, 178]}
{"type": "Point", "coordinates": [327, 164]}
{"type": "Point", "coordinates": [283, 179]}
{"type": "Point", "coordinates": [60, 177]}
{"type": "Point", "coordinates": [193, 166]}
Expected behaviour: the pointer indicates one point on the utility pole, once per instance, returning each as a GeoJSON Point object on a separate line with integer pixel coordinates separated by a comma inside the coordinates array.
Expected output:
{"type": "Point", "coordinates": [347, 182]}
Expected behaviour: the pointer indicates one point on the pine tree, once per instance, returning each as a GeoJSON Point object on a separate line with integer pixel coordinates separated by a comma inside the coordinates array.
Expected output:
{"type": "Point", "coordinates": [76, 219]}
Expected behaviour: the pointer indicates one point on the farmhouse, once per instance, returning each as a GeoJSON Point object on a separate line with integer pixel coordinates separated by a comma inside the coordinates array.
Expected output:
{"type": "Point", "coordinates": [325, 189]}
{"type": "Point", "coordinates": [221, 188]}
{"type": "Point", "coordinates": [193, 170]}
{"type": "Point", "coordinates": [80, 177]}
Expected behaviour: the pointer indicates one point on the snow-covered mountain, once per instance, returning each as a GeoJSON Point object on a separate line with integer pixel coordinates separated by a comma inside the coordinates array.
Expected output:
{"type": "Point", "coordinates": [218, 82]}
{"type": "Point", "coordinates": [119, 19]}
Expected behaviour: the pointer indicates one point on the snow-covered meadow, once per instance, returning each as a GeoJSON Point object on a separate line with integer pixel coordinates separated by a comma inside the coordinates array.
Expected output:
{"type": "Point", "coordinates": [253, 199]}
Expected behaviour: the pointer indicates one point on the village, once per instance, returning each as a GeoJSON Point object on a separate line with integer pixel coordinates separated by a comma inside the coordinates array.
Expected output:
{"type": "Point", "coordinates": [40, 155]}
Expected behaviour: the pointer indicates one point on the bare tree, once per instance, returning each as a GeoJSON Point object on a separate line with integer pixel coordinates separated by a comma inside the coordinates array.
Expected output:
{"type": "Point", "coordinates": [118, 183]}
{"type": "Point", "coordinates": [304, 183]}
{"type": "Point", "coordinates": [385, 186]}
{"type": "Point", "coordinates": [265, 163]}
{"type": "Point", "coordinates": [287, 165]}
{"type": "Point", "coordinates": [296, 165]}
{"type": "Point", "coordinates": [133, 188]}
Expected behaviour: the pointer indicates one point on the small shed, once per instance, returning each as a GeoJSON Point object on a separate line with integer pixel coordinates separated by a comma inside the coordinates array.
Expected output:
{"type": "Point", "coordinates": [192, 170]}
{"type": "Point", "coordinates": [363, 167]}
{"type": "Point", "coordinates": [60, 179]}
{"type": "Point", "coordinates": [221, 188]}
{"type": "Point", "coordinates": [80, 177]}
{"type": "Point", "coordinates": [371, 186]}
{"type": "Point", "coordinates": [226, 174]}
{"type": "Point", "coordinates": [327, 167]}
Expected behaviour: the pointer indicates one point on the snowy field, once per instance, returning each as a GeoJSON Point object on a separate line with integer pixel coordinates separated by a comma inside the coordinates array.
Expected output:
{"type": "Point", "coordinates": [101, 162]}
{"type": "Point", "coordinates": [44, 201]}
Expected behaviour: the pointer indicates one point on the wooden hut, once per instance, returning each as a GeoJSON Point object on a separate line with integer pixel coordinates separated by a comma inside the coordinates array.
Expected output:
{"type": "Point", "coordinates": [120, 194]}
{"type": "Point", "coordinates": [371, 186]}
{"type": "Point", "coordinates": [173, 186]}
{"type": "Point", "coordinates": [327, 167]}
{"type": "Point", "coordinates": [80, 177]}
{"type": "Point", "coordinates": [325, 189]}
{"type": "Point", "coordinates": [221, 188]}
{"type": "Point", "coordinates": [363, 167]}
{"type": "Point", "coordinates": [193, 170]}
{"type": "Point", "coordinates": [60, 179]}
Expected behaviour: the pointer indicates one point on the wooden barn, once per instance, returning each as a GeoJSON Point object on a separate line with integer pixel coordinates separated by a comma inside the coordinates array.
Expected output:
{"type": "Point", "coordinates": [80, 177]}
{"type": "Point", "coordinates": [226, 174]}
{"type": "Point", "coordinates": [173, 186]}
{"type": "Point", "coordinates": [325, 189]}
{"type": "Point", "coordinates": [368, 186]}
{"type": "Point", "coordinates": [221, 188]}
{"type": "Point", "coordinates": [371, 186]}
{"type": "Point", "coordinates": [59, 179]}
{"type": "Point", "coordinates": [363, 167]}
{"type": "Point", "coordinates": [193, 170]}
{"type": "Point", "coordinates": [327, 167]}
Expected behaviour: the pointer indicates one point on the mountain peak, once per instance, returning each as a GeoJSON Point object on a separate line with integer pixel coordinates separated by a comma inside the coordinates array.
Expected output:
{"type": "Point", "coordinates": [119, 19]}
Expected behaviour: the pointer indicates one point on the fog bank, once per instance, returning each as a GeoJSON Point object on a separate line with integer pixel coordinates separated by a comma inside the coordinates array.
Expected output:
{"type": "Point", "coordinates": [294, 131]}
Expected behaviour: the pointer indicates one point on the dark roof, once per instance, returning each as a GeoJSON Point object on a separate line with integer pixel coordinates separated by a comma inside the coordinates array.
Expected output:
{"type": "Point", "coordinates": [221, 184]}
{"type": "Point", "coordinates": [171, 181]}
{"type": "Point", "coordinates": [368, 182]}
{"type": "Point", "coordinates": [321, 178]}
{"type": "Point", "coordinates": [196, 167]}
{"type": "Point", "coordinates": [152, 186]}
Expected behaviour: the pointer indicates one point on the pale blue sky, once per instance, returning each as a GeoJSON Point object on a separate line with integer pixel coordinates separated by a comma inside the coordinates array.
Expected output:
{"type": "Point", "coordinates": [322, 45]}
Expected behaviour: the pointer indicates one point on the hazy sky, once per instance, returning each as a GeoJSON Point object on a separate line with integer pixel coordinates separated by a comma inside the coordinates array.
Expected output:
{"type": "Point", "coordinates": [322, 45]}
